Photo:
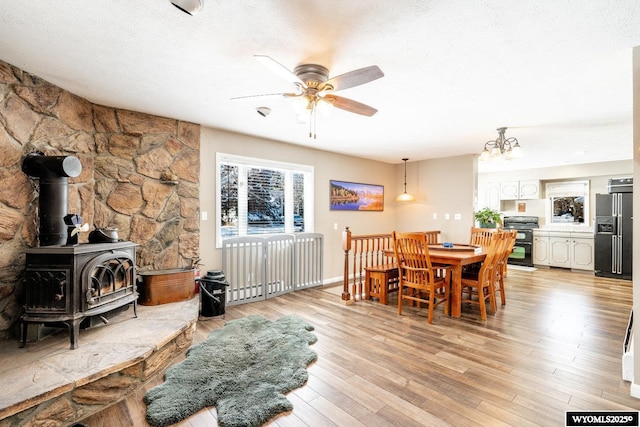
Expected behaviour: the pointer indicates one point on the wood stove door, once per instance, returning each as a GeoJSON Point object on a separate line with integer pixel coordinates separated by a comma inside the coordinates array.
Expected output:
{"type": "Point", "coordinates": [108, 280]}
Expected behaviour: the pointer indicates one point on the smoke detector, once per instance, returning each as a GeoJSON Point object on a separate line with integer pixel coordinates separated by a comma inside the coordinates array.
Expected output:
{"type": "Point", "coordinates": [263, 111]}
{"type": "Point", "coordinates": [190, 7]}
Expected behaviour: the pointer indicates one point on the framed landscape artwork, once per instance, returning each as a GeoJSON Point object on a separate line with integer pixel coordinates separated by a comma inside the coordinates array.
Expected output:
{"type": "Point", "coordinates": [354, 196]}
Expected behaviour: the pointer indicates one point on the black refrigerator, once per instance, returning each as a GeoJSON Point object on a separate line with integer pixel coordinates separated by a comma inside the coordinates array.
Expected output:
{"type": "Point", "coordinates": [613, 235]}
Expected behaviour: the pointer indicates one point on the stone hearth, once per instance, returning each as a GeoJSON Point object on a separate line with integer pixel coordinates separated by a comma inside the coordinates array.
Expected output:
{"type": "Point", "coordinates": [46, 382]}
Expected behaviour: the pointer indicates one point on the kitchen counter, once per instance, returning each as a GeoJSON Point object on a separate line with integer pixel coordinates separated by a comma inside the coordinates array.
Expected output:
{"type": "Point", "coordinates": [566, 228]}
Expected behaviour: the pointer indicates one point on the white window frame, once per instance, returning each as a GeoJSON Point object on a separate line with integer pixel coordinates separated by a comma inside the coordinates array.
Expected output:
{"type": "Point", "coordinates": [289, 169]}
{"type": "Point", "coordinates": [567, 189]}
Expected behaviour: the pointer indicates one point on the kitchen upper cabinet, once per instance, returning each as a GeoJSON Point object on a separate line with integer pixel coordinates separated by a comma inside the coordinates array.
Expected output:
{"type": "Point", "coordinates": [489, 195]}
{"type": "Point", "coordinates": [520, 190]}
{"type": "Point", "coordinates": [509, 190]}
{"type": "Point", "coordinates": [529, 189]}
{"type": "Point", "coordinates": [563, 249]}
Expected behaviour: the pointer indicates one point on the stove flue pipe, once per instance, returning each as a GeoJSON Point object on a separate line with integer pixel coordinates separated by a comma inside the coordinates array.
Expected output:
{"type": "Point", "coordinates": [53, 173]}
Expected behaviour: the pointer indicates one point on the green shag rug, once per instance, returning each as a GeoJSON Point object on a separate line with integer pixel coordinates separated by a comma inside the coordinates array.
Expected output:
{"type": "Point", "coordinates": [244, 369]}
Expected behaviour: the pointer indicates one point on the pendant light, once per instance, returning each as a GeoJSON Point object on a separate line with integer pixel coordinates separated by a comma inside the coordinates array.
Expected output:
{"type": "Point", "coordinates": [405, 197]}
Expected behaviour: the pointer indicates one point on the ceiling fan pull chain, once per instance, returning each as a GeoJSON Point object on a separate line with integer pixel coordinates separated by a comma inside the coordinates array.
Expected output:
{"type": "Point", "coordinates": [312, 120]}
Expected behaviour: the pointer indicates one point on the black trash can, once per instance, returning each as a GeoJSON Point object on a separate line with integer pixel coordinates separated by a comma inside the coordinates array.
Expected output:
{"type": "Point", "coordinates": [212, 294]}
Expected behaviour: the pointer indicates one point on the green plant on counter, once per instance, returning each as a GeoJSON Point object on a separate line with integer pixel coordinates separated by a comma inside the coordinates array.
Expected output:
{"type": "Point", "coordinates": [488, 218]}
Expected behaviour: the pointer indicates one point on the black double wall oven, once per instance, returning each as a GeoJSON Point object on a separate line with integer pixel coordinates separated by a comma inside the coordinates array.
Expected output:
{"type": "Point", "coordinates": [523, 249]}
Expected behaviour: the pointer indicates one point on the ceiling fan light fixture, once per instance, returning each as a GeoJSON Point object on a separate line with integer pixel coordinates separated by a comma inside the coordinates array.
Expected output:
{"type": "Point", "coordinates": [312, 82]}
{"type": "Point", "coordinates": [300, 104]}
{"type": "Point", "coordinates": [190, 7]}
{"type": "Point", "coordinates": [324, 106]}
{"type": "Point", "coordinates": [303, 117]}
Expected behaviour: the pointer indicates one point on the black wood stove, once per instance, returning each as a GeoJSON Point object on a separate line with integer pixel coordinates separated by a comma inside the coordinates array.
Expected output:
{"type": "Point", "coordinates": [67, 283]}
{"type": "Point", "coordinates": [79, 285]}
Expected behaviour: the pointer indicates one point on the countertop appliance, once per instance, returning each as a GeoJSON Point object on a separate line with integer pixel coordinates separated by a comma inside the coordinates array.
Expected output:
{"type": "Point", "coordinates": [614, 231]}
{"type": "Point", "coordinates": [523, 249]}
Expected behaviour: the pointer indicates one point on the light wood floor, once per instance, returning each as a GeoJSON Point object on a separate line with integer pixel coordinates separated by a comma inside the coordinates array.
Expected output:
{"type": "Point", "coordinates": [555, 346]}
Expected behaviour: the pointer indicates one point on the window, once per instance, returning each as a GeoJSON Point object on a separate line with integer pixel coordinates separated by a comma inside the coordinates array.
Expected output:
{"type": "Point", "coordinates": [257, 197]}
{"type": "Point", "coordinates": [568, 202]}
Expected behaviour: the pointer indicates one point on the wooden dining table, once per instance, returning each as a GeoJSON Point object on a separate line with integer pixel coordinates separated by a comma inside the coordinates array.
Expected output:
{"type": "Point", "coordinates": [455, 259]}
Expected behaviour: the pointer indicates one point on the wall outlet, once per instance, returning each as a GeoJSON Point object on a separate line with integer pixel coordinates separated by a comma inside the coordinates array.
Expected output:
{"type": "Point", "coordinates": [335, 225]}
{"type": "Point", "coordinates": [435, 215]}
{"type": "Point", "coordinates": [203, 215]}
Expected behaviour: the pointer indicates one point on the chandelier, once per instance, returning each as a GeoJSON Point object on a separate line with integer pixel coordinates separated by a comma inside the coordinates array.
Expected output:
{"type": "Point", "coordinates": [501, 148]}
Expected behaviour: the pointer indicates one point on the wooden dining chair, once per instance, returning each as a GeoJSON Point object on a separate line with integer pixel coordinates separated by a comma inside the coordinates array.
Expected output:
{"type": "Point", "coordinates": [481, 236]}
{"type": "Point", "coordinates": [433, 237]}
{"type": "Point", "coordinates": [482, 285]}
{"type": "Point", "coordinates": [501, 269]}
{"type": "Point", "coordinates": [423, 282]}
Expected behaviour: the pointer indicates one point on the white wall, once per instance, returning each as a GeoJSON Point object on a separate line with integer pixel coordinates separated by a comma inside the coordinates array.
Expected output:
{"type": "Point", "coordinates": [635, 386]}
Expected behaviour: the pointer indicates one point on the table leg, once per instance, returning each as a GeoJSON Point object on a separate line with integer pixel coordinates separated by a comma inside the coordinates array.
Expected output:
{"type": "Point", "coordinates": [456, 290]}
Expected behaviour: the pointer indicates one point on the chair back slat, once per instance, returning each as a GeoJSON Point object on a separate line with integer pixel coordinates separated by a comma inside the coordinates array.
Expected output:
{"type": "Point", "coordinates": [481, 236]}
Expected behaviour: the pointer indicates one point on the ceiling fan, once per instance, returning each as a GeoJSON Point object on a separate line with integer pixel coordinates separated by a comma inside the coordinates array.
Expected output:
{"type": "Point", "coordinates": [313, 89]}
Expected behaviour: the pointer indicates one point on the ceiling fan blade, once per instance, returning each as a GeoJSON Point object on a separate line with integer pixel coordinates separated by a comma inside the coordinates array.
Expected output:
{"type": "Point", "coordinates": [355, 78]}
{"type": "Point", "coordinates": [279, 69]}
{"type": "Point", "coordinates": [266, 95]}
{"type": "Point", "coordinates": [350, 105]}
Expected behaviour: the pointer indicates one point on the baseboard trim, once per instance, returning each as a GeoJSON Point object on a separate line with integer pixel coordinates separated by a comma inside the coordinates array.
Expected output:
{"type": "Point", "coordinates": [634, 390]}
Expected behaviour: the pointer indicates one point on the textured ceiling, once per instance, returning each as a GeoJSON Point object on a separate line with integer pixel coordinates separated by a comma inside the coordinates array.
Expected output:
{"type": "Point", "coordinates": [558, 74]}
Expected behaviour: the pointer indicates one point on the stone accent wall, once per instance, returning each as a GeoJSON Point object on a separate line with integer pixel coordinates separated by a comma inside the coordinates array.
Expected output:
{"type": "Point", "coordinates": [140, 174]}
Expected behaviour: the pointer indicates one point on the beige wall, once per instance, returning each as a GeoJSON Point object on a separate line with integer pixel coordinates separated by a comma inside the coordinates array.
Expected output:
{"type": "Point", "coordinates": [441, 186]}
{"type": "Point", "coordinates": [436, 189]}
{"type": "Point", "coordinates": [326, 165]}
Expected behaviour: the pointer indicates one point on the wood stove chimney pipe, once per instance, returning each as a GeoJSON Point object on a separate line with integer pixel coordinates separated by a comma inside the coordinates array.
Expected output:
{"type": "Point", "coordinates": [53, 173]}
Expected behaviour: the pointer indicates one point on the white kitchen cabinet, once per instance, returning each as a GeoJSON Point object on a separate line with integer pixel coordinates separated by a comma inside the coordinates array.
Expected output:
{"type": "Point", "coordinates": [560, 249]}
{"type": "Point", "coordinates": [541, 249]}
{"type": "Point", "coordinates": [520, 190]}
{"type": "Point", "coordinates": [529, 189]}
{"type": "Point", "coordinates": [509, 190]}
{"type": "Point", "coordinates": [489, 195]}
{"type": "Point", "coordinates": [582, 251]}
{"type": "Point", "coordinates": [563, 249]}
